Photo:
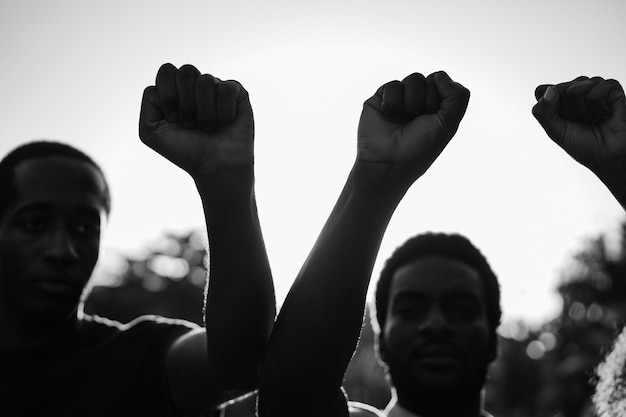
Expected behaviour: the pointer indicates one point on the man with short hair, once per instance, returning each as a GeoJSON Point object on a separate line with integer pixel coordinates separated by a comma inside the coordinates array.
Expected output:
{"type": "Point", "coordinates": [439, 309]}
{"type": "Point", "coordinates": [54, 201]}
{"type": "Point", "coordinates": [403, 128]}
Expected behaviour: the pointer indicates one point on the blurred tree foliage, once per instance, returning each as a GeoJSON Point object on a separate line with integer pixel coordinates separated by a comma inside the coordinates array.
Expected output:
{"type": "Point", "coordinates": [168, 281]}
{"type": "Point", "coordinates": [541, 372]}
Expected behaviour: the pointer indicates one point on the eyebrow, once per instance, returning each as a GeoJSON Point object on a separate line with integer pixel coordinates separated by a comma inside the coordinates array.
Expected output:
{"type": "Point", "coordinates": [410, 295]}
{"type": "Point", "coordinates": [462, 293]}
{"type": "Point", "coordinates": [419, 295]}
{"type": "Point", "coordinates": [85, 209]}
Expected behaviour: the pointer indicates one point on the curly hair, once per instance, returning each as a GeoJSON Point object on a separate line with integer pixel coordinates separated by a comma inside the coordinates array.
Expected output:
{"type": "Point", "coordinates": [609, 397]}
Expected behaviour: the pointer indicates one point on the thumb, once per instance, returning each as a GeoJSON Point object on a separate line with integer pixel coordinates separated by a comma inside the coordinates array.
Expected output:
{"type": "Point", "coordinates": [541, 90]}
{"type": "Point", "coordinates": [546, 111]}
{"type": "Point", "coordinates": [454, 100]}
{"type": "Point", "coordinates": [244, 107]}
{"type": "Point", "coordinates": [150, 114]}
{"type": "Point", "coordinates": [616, 100]}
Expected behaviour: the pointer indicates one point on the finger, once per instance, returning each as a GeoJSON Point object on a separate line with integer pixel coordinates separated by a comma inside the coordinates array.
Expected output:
{"type": "Point", "coordinates": [580, 78]}
{"type": "Point", "coordinates": [454, 100]}
{"type": "Point", "coordinates": [205, 93]}
{"type": "Point", "coordinates": [375, 101]}
{"type": "Point", "coordinates": [561, 87]}
{"type": "Point", "coordinates": [564, 108]}
{"type": "Point", "coordinates": [166, 86]}
{"type": "Point", "coordinates": [575, 95]}
{"type": "Point", "coordinates": [243, 101]}
{"type": "Point", "coordinates": [567, 107]}
{"type": "Point", "coordinates": [150, 113]}
{"type": "Point", "coordinates": [393, 99]}
{"type": "Point", "coordinates": [185, 86]}
{"type": "Point", "coordinates": [414, 95]}
{"type": "Point", "coordinates": [226, 94]}
{"type": "Point", "coordinates": [564, 105]}
{"type": "Point", "coordinates": [433, 99]}
{"type": "Point", "coordinates": [244, 108]}
{"type": "Point", "coordinates": [541, 90]}
{"type": "Point", "coordinates": [617, 102]}
{"type": "Point", "coordinates": [546, 111]}
{"type": "Point", "coordinates": [598, 99]}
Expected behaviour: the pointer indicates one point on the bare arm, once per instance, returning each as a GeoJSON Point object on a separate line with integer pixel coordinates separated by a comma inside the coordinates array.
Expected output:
{"type": "Point", "coordinates": [206, 127]}
{"type": "Point", "coordinates": [587, 118]}
{"type": "Point", "coordinates": [403, 128]}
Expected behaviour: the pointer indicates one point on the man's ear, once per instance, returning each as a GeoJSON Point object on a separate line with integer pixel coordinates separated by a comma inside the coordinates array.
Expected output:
{"type": "Point", "coordinates": [494, 347]}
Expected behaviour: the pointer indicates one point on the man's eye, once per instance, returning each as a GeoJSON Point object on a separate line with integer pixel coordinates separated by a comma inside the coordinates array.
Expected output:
{"type": "Point", "coordinates": [87, 229]}
{"type": "Point", "coordinates": [409, 310]}
{"type": "Point", "coordinates": [34, 224]}
{"type": "Point", "coordinates": [463, 310]}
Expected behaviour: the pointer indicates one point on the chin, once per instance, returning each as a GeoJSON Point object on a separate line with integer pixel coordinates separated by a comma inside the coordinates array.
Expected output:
{"type": "Point", "coordinates": [437, 385]}
{"type": "Point", "coordinates": [52, 314]}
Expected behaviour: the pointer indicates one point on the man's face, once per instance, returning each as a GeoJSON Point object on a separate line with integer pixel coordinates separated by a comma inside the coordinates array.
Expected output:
{"type": "Point", "coordinates": [50, 237]}
{"type": "Point", "coordinates": [436, 338]}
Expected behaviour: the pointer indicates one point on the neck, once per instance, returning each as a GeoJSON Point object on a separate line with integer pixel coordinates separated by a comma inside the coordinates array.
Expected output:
{"type": "Point", "coordinates": [446, 404]}
{"type": "Point", "coordinates": [24, 332]}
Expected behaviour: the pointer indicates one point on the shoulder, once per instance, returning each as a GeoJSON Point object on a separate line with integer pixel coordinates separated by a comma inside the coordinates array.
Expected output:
{"type": "Point", "coordinates": [160, 322]}
{"type": "Point", "coordinates": [358, 409]}
{"type": "Point", "coordinates": [90, 321]}
{"type": "Point", "coordinates": [149, 328]}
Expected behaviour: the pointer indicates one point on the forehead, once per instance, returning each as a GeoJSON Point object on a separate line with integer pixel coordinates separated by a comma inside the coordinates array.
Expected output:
{"type": "Point", "coordinates": [59, 180]}
{"type": "Point", "coordinates": [436, 275]}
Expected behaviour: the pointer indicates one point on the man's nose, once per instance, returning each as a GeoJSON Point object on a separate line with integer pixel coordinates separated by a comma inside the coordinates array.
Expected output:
{"type": "Point", "coordinates": [61, 247]}
{"type": "Point", "coordinates": [436, 323]}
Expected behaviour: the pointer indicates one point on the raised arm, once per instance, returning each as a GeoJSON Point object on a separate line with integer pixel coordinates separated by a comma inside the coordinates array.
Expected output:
{"type": "Point", "coordinates": [587, 118]}
{"type": "Point", "coordinates": [403, 128]}
{"type": "Point", "coordinates": [206, 127]}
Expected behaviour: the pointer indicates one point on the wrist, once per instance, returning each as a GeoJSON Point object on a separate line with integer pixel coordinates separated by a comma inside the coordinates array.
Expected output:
{"type": "Point", "coordinates": [380, 184]}
{"type": "Point", "coordinates": [613, 175]}
{"type": "Point", "coordinates": [391, 177]}
{"type": "Point", "coordinates": [226, 184]}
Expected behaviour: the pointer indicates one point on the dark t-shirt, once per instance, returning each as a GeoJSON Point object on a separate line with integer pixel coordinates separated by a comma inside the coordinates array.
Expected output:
{"type": "Point", "coordinates": [104, 369]}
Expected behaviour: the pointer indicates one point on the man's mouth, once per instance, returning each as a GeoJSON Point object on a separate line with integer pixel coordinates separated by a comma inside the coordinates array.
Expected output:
{"type": "Point", "coordinates": [437, 360]}
{"type": "Point", "coordinates": [436, 356]}
{"type": "Point", "coordinates": [58, 286]}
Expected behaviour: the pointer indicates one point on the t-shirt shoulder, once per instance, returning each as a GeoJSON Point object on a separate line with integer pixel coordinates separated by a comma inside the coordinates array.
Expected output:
{"type": "Point", "coordinates": [144, 320]}
{"type": "Point", "coordinates": [359, 409]}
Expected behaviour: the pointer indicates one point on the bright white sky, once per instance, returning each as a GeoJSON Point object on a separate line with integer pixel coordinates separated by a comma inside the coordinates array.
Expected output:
{"type": "Point", "coordinates": [75, 71]}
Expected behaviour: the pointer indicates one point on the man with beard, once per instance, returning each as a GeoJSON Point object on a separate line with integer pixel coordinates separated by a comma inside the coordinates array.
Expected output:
{"type": "Point", "coordinates": [437, 334]}
{"type": "Point", "coordinates": [437, 310]}
{"type": "Point", "coordinates": [403, 128]}
{"type": "Point", "coordinates": [437, 299]}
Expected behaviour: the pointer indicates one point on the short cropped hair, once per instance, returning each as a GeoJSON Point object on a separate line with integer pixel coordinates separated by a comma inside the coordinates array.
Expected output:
{"type": "Point", "coordinates": [40, 149]}
{"type": "Point", "coordinates": [451, 245]}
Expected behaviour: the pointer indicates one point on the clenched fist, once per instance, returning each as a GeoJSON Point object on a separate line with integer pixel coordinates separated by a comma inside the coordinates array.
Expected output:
{"type": "Point", "coordinates": [408, 123]}
{"type": "Point", "coordinates": [198, 122]}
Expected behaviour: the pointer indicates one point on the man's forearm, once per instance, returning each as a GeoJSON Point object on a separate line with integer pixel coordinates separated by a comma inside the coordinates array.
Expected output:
{"type": "Point", "coordinates": [239, 305]}
{"type": "Point", "coordinates": [613, 175]}
{"type": "Point", "coordinates": [320, 322]}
